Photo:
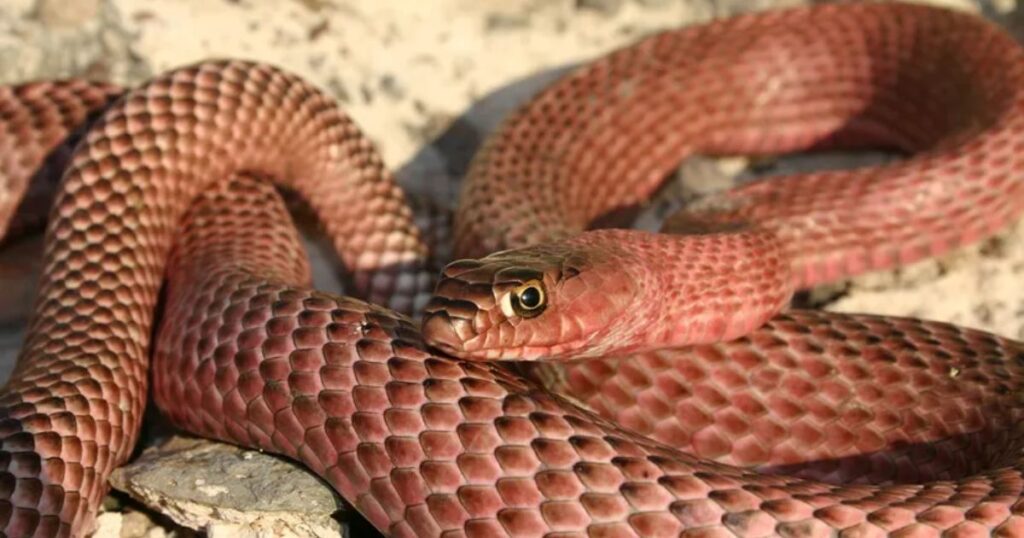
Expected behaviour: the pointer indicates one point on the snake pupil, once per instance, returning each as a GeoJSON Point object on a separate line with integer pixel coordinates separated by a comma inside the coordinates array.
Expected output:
{"type": "Point", "coordinates": [530, 297]}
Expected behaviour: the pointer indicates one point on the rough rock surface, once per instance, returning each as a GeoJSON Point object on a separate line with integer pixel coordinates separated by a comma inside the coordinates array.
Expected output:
{"type": "Point", "coordinates": [427, 81]}
{"type": "Point", "coordinates": [228, 491]}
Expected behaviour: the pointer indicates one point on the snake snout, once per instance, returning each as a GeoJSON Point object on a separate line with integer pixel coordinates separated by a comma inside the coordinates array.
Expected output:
{"type": "Point", "coordinates": [445, 327]}
{"type": "Point", "coordinates": [440, 332]}
{"type": "Point", "coordinates": [449, 317]}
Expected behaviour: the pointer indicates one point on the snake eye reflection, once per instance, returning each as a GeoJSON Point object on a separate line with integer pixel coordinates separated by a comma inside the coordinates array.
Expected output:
{"type": "Point", "coordinates": [528, 299]}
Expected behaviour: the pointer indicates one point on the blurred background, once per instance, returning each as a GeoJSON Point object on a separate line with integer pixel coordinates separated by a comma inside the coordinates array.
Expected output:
{"type": "Point", "coordinates": [426, 80]}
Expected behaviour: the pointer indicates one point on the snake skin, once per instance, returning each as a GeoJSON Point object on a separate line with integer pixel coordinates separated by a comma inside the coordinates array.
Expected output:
{"type": "Point", "coordinates": [855, 402]}
{"type": "Point", "coordinates": [944, 86]}
{"type": "Point", "coordinates": [71, 409]}
{"type": "Point", "coordinates": [39, 125]}
{"type": "Point", "coordinates": [428, 445]}
{"type": "Point", "coordinates": [603, 139]}
{"type": "Point", "coordinates": [425, 445]}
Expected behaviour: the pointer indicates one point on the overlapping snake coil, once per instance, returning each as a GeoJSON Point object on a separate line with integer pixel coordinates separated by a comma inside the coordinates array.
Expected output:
{"type": "Point", "coordinates": [802, 424]}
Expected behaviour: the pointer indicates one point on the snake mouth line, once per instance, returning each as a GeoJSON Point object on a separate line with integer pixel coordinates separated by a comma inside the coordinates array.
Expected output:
{"type": "Point", "coordinates": [451, 334]}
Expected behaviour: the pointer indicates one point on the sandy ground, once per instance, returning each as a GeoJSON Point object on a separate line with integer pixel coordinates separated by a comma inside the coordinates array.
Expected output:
{"type": "Point", "coordinates": [426, 80]}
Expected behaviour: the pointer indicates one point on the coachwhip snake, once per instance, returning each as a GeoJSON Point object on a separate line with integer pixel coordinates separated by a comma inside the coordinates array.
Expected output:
{"type": "Point", "coordinates": [856, 424]}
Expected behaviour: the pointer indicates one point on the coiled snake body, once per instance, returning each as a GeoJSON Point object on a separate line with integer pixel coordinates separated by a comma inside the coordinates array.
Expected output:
{"type": "Point", "coordinates": [870, 425]}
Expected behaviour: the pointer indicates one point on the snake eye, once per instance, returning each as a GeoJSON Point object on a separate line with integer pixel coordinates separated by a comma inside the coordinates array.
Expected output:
{"type": "Point", "coordinates": [528, 300]}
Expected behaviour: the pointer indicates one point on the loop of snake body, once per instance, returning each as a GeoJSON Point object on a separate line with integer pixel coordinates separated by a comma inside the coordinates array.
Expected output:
{"type": "Point", "coordinates": [800, 424]}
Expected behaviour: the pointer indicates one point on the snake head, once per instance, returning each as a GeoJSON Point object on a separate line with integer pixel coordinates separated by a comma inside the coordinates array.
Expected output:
{"type": "Point", "coordinates": [552, 302]}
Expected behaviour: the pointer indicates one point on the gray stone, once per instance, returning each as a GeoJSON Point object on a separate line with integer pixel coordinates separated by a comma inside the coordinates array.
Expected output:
{"type": "Point", "coordinates": [224, 490]}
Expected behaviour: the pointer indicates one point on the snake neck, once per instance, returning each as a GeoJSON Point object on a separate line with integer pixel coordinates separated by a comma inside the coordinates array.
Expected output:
{"type": "Point", "coordinates": [690, 289]}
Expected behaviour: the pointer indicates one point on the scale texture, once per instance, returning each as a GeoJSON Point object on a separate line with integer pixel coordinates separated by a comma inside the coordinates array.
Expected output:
{"type": "Point", "coordinates": [868, 405]}
{"type": "Point", "coordinates": [945, 87]}
{"type": "Point", "coordinates": [71, 409]}
{"type": "Point", "coordinates": [425, 445]}
{"type": "Point", "coordinates": [872, 426]}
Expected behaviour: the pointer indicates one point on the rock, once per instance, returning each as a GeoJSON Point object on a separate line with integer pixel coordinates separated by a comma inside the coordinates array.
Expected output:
{"type": "Point", "coordinates": [606, 7]}
{"type": "Point", "coordinates": [109, 525]}
{"type": "Point", "coordinates": [66, 13]}
{"type": "Point", "coordinates": [227, 491]}
{"type": "Point", "coordinates": [133, 524]}
{"type": "Point", "coordinates": [139, 525]}
{"type": "Point", "coordinates": [68, 38]}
